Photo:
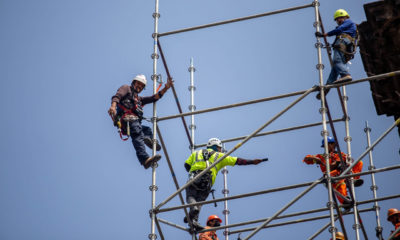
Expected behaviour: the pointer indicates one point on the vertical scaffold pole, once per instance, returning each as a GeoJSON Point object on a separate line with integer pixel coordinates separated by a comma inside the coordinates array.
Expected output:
{"type": "Point", "coordinates": [374, 187]}
{"type": "Point", "coordinates": [226, 212]}
{"type": "Point", "coordinates": [348, 141]}
{"type": "Point", "coordinates": [154, 77]}
{"type": "Point", "coordinates": [192, 107]}
{"type": "Point", "coordinates": [324, 132]}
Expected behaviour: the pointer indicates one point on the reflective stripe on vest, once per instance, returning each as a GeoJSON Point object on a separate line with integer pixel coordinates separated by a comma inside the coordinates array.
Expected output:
{"type": "Point", "coordinates": [209, 155]}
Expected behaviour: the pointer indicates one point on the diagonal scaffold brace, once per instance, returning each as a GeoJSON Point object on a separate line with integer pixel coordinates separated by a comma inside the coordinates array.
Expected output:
{"type": "Point", "coordinates": [156, 209]}
{"type": "Point", "coordinates": [175, 95]}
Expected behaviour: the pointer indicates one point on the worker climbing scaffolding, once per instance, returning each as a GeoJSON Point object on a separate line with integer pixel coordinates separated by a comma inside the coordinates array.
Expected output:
{"type": "Point", "coordinates": [127, 113]}
{"type": "Point", "coordinates": [343, 47]}
{"type": "Point", "coordinates": [336, 169]}
{"type": "Point", "coordinates": [393, 216]}
{"type": "Point", "coordinates": [196, 163]}
{"type": "Point", "coordinates": [212, 221]}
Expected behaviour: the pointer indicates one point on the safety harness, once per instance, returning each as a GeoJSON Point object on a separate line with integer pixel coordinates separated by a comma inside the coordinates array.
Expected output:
{"type": "Point", "coordinates": [130, 109]}
{"type": "Point", "coordinates": [347, 49]}
{"type": "Point", "coordinates": [205, 181]}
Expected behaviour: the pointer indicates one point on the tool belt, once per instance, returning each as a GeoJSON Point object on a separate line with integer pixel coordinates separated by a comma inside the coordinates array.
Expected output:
{"type": "Point", "coordinates": [122, 119]}
{"type": "Point", "coordinates": [203, 183]}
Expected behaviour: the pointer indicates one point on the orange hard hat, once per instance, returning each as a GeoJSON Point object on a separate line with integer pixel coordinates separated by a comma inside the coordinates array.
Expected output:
{"type": "Point", "coordinates": [391, 212]}
{"type": "Point", "coordinates": [212, 217]}
{"type": "Point", "coordinates": [339, 235]}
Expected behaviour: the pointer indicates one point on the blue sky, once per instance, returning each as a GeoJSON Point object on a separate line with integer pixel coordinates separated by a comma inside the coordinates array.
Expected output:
{"type": "Point", "coordinates": [64, 172]}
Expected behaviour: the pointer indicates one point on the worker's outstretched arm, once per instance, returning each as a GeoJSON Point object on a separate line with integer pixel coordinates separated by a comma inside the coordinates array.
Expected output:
{"type": "Point", "coordinates": [241, 161]}
{"type": "Point", "coordinates": [166, 87]}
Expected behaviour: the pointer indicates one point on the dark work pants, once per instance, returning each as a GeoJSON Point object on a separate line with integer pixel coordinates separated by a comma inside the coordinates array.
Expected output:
{"type": "Point", "coordinates": [138, 133]}
{"type": "Point", "coordinates": [194, 195]}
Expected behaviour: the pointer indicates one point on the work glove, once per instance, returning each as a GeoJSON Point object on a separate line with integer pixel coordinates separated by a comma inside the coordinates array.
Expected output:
{"type": "Point", "coordinates": [319, 34]}
{"type": "Point", "coordinates": [257, 161]}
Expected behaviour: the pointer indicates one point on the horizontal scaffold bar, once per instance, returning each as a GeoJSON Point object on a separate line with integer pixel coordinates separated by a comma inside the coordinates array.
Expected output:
{"type": "Point", "coordinates": [264, 219]}
{"type": "Point", "coordinates": [294, 222]}
{"type": "Point", "coordinates": [272, 132]}
{"type": "Point", "coordinates": [368, 172]}
{"type": "Point", "coordinates": [302, 213]}
{"type": "Point", "coordinates": [285, 216]}
{"type": "Point", "coordinates": [234, 20]}
{"type": "Point", "coordinates": [269, 190]}
{"type": "Point", "coordinates": [237, 146]}
{"type": "Point", "coordinates": [373, 78]}
{"type": "Point", "coordinates": [237, 196]}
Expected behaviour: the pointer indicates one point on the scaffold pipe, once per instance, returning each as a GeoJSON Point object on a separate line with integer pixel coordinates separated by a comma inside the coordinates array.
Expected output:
{"type": "Point", "coordinates": [379, 199]}
{"type": "Point", "coordinates": [367, 172]}
{"type": "Point", "coordinates": [397, 122]}
{"type": "Point", "coordinates": [374, 187]}
{"type": "Point", "coordinates": [173, 174]}
{"type": "Point", "coordinates": [272, 190]}
{"type": "Point", "coordinates": [394, 234]}
{"type": "Point", "coordinates": [173, 224]}
{"type": "Point", "coordinates": [174, 93]}
{"type": "Point", "coordinates": [282, 209]}
{"type": "Point", "coordinates": [379, 77]}
{"type": "Point", "coordinates": [272, 132]}
{"type": "Point", "coordinates": [264, 219]}
{"type": "Point", "coordinates": [226, 212]}
{"type": "Point", "coordinates": [154, 77]}
{"type": "Point", "coordinates": [305, 212]}
{"type": "Point", "coordinates": [294, 222]}
{"type": "Point", "coordinates": [192, 107]}
{"type": "Point", "coordinates": [373, 78]}
{"type": "Point", "coordinates": [321, 230]}
{"type": "Point", "coordinates": [234, 20]}
{"type": "Point", "coordinates": [236, 147]}
{"type": "Point", "coordinates": [233, 105]}
{"type": "Point", "coordinates": [159, 229]}
{"type": "Point", "coordinates": [343, 163]}
{"type": "Point", "coordinates": [324, 132]}
{"type": "Point", "coordinates": [357, 220]}
{"type": "Point", "coordinates": [237, 196]}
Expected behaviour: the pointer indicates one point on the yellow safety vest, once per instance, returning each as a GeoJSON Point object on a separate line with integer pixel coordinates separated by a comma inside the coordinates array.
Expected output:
{"type": "Point", "coordinates": [196, 162]}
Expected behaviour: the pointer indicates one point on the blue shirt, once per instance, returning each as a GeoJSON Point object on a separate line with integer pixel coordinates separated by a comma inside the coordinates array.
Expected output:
{"type": "Point", "coordinates": [348, 27]}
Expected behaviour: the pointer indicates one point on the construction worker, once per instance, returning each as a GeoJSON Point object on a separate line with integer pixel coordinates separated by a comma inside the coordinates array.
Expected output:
{"type": "Point", "coordinates": [335, 169]}
{"type": "Point", "coordinates": [212, 221]}
{"type": "Point", "coordinates": [343, 47]}
{"type": "Point", "coordinates": [393, 216]}
{"type": "Point", "coordinates": [196, 163]}
{"type": "Point", "coordinates": [127, 107]}
{"type": "Point", "coordinates": [339, 236]}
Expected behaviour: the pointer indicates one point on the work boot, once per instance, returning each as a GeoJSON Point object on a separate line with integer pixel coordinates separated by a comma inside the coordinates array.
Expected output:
{"type": "Point", "coordinates": [151, 160]}
{"type": "Point", "coordinates": [319, 94]}
{"type": "Point", "coordinates": [344, 79]}
{"type": "Point", "coordinates": [149, 142]}
{"type": "Point", "coordinates": [197, 227]}
{"type": "Point", "coordinates": [347, 207]}
{"type": "Point", "coordinates": [358, 182]}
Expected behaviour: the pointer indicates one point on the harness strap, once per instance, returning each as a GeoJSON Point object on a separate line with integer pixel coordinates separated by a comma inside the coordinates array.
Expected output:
{"type": "Point", "coordinates": [206, 156]}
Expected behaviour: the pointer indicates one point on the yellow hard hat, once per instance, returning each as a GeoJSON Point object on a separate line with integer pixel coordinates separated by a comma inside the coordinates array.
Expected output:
{"type": "Point", "coordinates": [340, 13]}
{"type": "Point", "coordinates": [339, 235]}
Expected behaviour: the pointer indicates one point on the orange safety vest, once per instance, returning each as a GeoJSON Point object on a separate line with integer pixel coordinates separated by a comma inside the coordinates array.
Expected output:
{"type": "Point", "coordinates": [211, 235]}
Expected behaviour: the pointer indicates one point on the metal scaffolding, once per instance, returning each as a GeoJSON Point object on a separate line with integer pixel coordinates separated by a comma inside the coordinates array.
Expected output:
{"type": "Point", "coordinates": [324, 111]}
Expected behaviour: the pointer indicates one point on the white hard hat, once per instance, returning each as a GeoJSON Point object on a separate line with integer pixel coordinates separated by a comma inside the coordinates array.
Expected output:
{"type": "Point", "coordinates": [214, 142]}
{"type": "Point", "coordinates": [140, 78]}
